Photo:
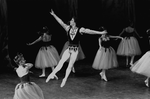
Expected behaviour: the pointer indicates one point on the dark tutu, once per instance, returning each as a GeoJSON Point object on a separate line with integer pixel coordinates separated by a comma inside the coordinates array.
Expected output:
{"type": "Point", "coordinates": [128, 47]}
{"type": "Point", "coordinates": [47, 57]}
{"type": "Point", "coordinates": [28, 91]}
{"type": "Point", "coordinates": [80, 54]}
{"type": "Point", "coordinates": [142, 66]}
{"type": "Point", "coordinates": [105, 59]}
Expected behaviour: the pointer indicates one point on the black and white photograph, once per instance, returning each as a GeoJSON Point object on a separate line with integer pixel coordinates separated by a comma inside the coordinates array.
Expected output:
{"type": "Point", "coordinates": [74, 49]}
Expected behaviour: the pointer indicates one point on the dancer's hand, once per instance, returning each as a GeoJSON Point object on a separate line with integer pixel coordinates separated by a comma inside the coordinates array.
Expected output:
{"type": "Point", "coordinates": [52, 12]}
{"type": "Point", "coordinates": [28, 43]}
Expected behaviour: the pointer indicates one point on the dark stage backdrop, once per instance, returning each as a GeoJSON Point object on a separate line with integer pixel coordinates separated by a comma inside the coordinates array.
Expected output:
{"type": "Point", "coordinates": [26, 17]}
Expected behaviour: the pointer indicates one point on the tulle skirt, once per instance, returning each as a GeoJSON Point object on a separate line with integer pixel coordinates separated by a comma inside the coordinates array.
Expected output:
{"type": "Point", "coordinates": [105, 59]}
{"type": "Point", "coordinates": [142, 66]}
{"type": "Point", "coordinates": [47, 57]}
{"type": "Point", "coordinates": [129, 47]}
{"type": "Point", "coordinates": [28, 91]}
{"type": "Point", "coordinates": [80, 54]}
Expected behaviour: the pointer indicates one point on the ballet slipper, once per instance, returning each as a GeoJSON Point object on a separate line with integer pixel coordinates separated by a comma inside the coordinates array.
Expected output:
{"type": "Point", "coordinates": [101, 74]}
{"type": "Point", "coordinates": [104, 78]}
{"type": "Point", "coordinates": [63, 82]}
{"type": "Point", "coordinates": [146, 82]}
{"type": "Point", "coordinates": [51, 76]}
{"type": "Point", "coordinates": [73, 70]}
{"type": "Point", "coordinates": [42, 75]}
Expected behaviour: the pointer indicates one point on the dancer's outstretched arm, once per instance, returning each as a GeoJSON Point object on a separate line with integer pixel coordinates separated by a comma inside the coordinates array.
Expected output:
{"type": "Point", "coordinates": [115, 37]}
{"type": "Point", "coordinates": [65, 26]}
{"type": "Point", "coordinates": [37, 40]}
{"type": "Point", "coordinates": [89, 31]}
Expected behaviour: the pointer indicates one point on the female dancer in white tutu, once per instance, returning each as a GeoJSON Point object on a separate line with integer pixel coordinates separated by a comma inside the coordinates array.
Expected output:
{"type": "Point", "coordinates": [25, 89]}
{"type": "Point", "coordinates": [72, 51]}
{"type": "Point", "coordinates": [47, 55]}
{"type": "Point", "coordinates": [129, 46]}
{"type": "Point", "coordinates": [106, 56]}
{"type": "Point", "coordinates": [142, 66]}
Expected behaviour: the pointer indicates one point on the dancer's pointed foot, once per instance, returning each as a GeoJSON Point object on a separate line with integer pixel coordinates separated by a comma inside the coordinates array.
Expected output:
{"type": "Point", "coordinates": [101, 74]}
{"type": "Point", "coordinates": [63, 82]}
{"type": "Point", "coordinates": [104, 78]}
{"type": "Point", "coordinates": [73, 70]}
{"type": "Point", "coordinates": [43, 75]}
{"type": "Point", "coordinates": [146, 82]}
{"type": "Point", "coordinates": [50, 77]}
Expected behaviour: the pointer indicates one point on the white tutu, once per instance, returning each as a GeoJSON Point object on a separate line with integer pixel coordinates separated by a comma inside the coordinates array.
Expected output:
{"type": "Point", "coordinates": [47, 57]}
{"type": "Point", "coordinates": [128, 47]}
{"type": "Point", "coordinates": [142, 66]}
{"type": "Point", "coordinates": [80, 54]}
{"type": "Point", "coordinates": [28, 91]}
{"type": "Point", "coordinates": [105, 59]}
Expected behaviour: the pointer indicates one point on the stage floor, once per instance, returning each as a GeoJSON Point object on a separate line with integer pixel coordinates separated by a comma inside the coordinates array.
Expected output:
{"type": "Point", "coordinates": [84, 84]}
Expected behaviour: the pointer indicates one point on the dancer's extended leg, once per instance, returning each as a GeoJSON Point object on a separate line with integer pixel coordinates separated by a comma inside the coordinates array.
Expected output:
{"type": "Point", "coordinates": [71, 63]}
{"type": "Point", "coordinates": [65, 56]}
{"type": "Point", "coordinates": [54, 75]}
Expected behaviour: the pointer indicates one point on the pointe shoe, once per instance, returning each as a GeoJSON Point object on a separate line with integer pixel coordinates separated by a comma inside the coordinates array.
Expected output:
{"type": "Point", "coordinates": [42, 75]}
{"type": "Point", "coordinates": [146, 83]}
{"type": "Point", "coordinates": [101, 74]}
{"type": "Point", "coordinates": [49, 77]}
{"type": "Point", "coordinates": [63, 83]}
{"type": "Point", "coordinates": [104, 78]}
{"type": "Point", "coordinates": [73, 70]}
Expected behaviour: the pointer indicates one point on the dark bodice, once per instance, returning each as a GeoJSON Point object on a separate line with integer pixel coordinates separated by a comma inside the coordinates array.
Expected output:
{"type": "Point", "coordinates": [76, 39]}
{"type": "Point", "coordinates": [25, 78]}
{"type": "Point", "coordinates": [126, 34]}
{"type": "Point", "coordinates": [105, 44]}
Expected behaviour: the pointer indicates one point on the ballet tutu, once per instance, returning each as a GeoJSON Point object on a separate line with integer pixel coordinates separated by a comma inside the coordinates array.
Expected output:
{"type": "Point", "coordinates": [128, 47]}
{"type": "Point", "coordinates": [47, 57]}
{"type": "Point", "coordinates": [105, 59]}
{"type": "Point", "coordinates": [28, 91]}
{"type": "Point", "coordinates": [80, 54]}
{"type": "Point", "coordinates": [142, 66]}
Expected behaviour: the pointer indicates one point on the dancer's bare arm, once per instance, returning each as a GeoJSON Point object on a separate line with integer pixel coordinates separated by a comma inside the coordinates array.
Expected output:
{"type": "Point", "coordinates": [89, 31]}
{"type": "Point", "coordinates": [65, 26]}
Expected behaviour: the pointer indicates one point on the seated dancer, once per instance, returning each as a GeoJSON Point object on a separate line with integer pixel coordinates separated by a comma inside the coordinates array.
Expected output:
{"type": "Point", "coordinates": [71, 53]}
{"type": "Point", "coordinates": [25, 89]}
{"type": "Point", "coordinates": [142, 66]}
{"type": "Point", "coordinates": [47, 55]}
{"type": "Point", "coordinates": [106, 56]}
{"type": "Point", "coordinates": [129, 46]}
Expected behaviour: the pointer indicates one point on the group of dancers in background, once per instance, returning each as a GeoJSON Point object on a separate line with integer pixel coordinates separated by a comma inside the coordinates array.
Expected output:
{"type": "Point", "coordinates": [105, 58]}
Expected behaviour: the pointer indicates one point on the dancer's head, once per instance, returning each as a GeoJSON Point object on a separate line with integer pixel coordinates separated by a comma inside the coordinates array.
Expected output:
{"type": "Point", "coordinates": [72, 22]}
{"type": "Point", "coordinates": [19, 59]}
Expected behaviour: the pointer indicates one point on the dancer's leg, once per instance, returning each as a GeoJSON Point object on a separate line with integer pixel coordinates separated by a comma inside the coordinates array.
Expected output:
{"type": "Point", "coordinates": [54, 75]}
{"type": "Point", "coordinates": [43, 73]}
{"type": "Point", "coordinates": [65, 56]}
{"type": "Point", "coordinates": [70, 65]}
{"type": "Point", "coordinates": [132, 59]}
{"type": "Point", "coordinates": [127, 60]}
{"type": "Point", "coordinates": [103, 75]}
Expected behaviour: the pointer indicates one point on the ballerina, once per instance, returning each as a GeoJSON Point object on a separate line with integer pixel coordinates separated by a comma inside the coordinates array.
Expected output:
{"type": "Point", "coordinates": [47, 55]}
{"type": "Point", "coordinates": [25, 89]}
